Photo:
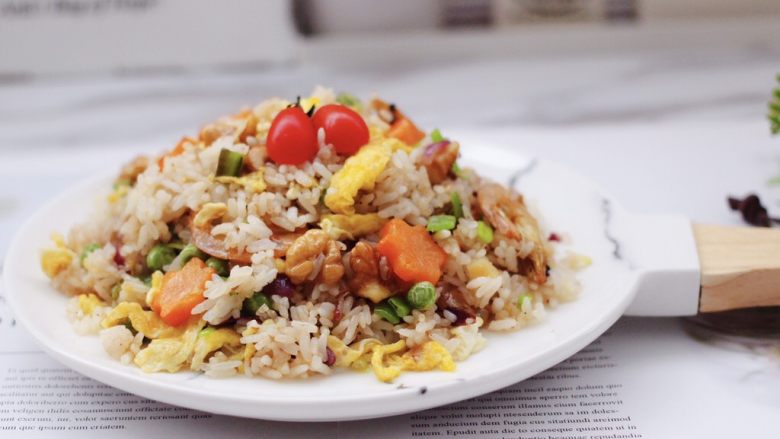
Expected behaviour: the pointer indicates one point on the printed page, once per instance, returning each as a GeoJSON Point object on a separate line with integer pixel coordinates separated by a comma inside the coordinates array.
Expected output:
{"type": "Point", "coordinates": [644, 378]}
{"type": "Point", "coordinates": [41, 398]}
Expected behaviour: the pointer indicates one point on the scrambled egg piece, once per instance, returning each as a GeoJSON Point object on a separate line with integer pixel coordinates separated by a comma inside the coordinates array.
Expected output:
{"type": "Point", "coordinates": [208, 212]}
{"type": "Point", "coordinates": [210, 340]}
{"type": "Point", "coordinates": [374, 291]}
{"type": "Point", "coordinates": [340, 227]}
{"type": "Point", "coordinates": [146, 322]}
{"type": "Point", "coordinates": [170, 354]}
{"type": "Point", "coordinates": [377, 135]}
{"type": "Point", "coordinates": [57, 259]}
{"type": "Point", "coordinates": [359, 172]}
{"type": "Point", "coordinates": [157, 278]}
{"type": "Point", "coordinates": [308, 103]}
{"type": "Point", "coordinates": [481, 267]}
{"type": "Point", "coordinates": [386, 361]}
{"type": "Point", "coordinates": [118, 193]}
{"type": "Point", "coordinates": [88, 303]}
{"type": "Point", "coordinates": [253, 182]}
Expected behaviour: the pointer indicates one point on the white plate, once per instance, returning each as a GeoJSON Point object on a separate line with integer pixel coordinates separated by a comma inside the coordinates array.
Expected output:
{"type": "Point", "coordinates": [570, 204]}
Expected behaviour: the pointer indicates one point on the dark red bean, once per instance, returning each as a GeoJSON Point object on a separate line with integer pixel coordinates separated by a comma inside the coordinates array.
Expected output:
{"type": "Point", "coordinates": [281, 286]}
{"type": "Point", "coordinates": [554, 237]}
{"type": "Point", "coordinates": [753, 212]}
{"type": "Point", "coordinates": [330, 357]}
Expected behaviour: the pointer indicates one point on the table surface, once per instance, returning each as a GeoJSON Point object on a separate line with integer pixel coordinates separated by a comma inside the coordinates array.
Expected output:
{"type": "Point", "coordinates": [667, 118]}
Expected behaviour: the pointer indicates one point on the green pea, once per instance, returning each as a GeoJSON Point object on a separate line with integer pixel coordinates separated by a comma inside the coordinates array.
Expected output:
{"type": "Point", "coordinates": [484, 232]}
{"type": "Point", "coordinates": [457, 205]}
{"type": "Point", "coordinates": [159, 256]}
{"type": "Point", "coordinates": [252, 304]}
{"type": "Point", "coordinates": [87, 250]}
{"type": "Point", "coordinates": [386, 312]}
{"type": "Point", "coordinates": [115, 290]}
{"type": "Point", "coordinates": [400, 306]}
{"type": "Point", "coordinates": [522, 299]}
{"type": "Point", "coordinates": [219, 265]}
{"type": "Point", "coordinates": [422, 295]}
{"type": "Point", "coordinates": [437, 223]}
{"type": "Point", "coordinates": [190, 251]}
{"type": "Point", "coordinates": [436, 136]}
{"type": "Point", "coordinates": [230, 163]}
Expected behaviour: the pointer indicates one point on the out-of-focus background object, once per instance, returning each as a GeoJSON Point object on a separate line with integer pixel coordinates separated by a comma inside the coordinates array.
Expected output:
{"type": "Point", "coordinates": [70, 36]}
{"type": "Point", "coordinates": [46, 37]}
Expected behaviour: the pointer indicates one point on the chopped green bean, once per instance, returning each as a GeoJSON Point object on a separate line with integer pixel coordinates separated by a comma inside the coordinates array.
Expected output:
{"type": "Point", "coordinates": [400, 306]}
{"type": "Point", "coordinates": [218, 265]}
{"type": "Point", "coordinates": [87, 250]}
{"type": "Point", "coordinates": [115, 290]}
{"type": "Point", "coordinates": [159, 256]}
{"type": "Point", "coordinates": [349, 100]}
{"type": "Point", "coordinates": [436, 136]}
{"type": "Point", "coordinates": [457, 170]}
{"type": "Point", "coordinates": [190, 251]}
{"type": "Point", "coordinates": [252, 304]}
{"type": "Point", "coordinates": [437, 223]}
{"type": "Point", "coordinates": [457, 205]}
{"type": "Point", "coordinates": [230, 163]}
{"type": "Point", "coordinates": [421, 295]}
{"type": "Point", "coordinates": [386, 312]}
{"type": "Point", "coordinates": [484, 232]}
{"type": "Point", "coordinates": [521, 300]}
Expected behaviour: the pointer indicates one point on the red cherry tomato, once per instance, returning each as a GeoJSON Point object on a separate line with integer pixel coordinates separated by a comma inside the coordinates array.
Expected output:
{"type": "Point", "coordinates": [292, 139]}
{"type": "Point", "coordinates": [344, 129]}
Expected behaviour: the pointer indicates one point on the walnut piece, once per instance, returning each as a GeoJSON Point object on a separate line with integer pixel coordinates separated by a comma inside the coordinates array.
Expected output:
{"type": "Point", "coordinates": [365, 281]}
{"type": "Point", "coordinates": [304, 251]}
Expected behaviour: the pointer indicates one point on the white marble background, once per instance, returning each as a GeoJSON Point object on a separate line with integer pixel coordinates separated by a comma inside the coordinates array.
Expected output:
{"type": "Point", "coordinates": [668, 117]}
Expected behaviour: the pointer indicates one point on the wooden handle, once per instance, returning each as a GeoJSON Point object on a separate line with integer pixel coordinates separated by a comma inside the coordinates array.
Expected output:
{"type": "Point", "coordinates": [740, 267]}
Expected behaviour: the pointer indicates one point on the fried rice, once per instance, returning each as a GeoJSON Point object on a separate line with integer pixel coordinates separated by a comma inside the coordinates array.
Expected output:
{"type": "Point", "coordinates": [311, 280]}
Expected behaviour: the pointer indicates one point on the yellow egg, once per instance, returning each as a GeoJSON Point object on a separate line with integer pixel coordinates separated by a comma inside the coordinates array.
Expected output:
{"type": "Point", "coordinates": [210, 340]}
{"type": "Point", "coordinates": [340, 227]}
{"type": "Point", "coordinates": [359, 172]}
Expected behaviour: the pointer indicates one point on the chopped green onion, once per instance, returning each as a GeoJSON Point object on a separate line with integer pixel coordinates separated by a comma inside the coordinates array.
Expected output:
{"type": "Point", "coordinates": [386, 312]}
{"type": "Point", "coordinates": [230, 163]}
{"type": "Point", "coordinates": [206, 331]}
{"type": "Point", "coordinates": [147, 280]}
{"type": "Point", "coordinates": [176, 245]}
{"type": "Point", "coordinates": [484, 232]}
{"type": "Point", "coordinates": [115, 290]}
{"type": "Point", "coordinates": [190, 251]}
{"type": "Point", "coordinates": [521, 300]}
{"type": "Point", "coordinates": [218, 265]}
{"type": "Point", "coordinates": [349, 100]}
{"type": "Point", "coordinates": [421, 295]}
{"type": "Point", "coordinates": [121, 182]}
{"type": "Point", "coordinates": [252, 304]}
{"type": "Point", "coordinates": [457, 205]}
{"type": "Point", "coordinates": [774, 181]}
{"type": "Point", "coordinates": [457, 170]}
{"type": "Point", "coordinates": [438, 223]}
{"type": "Point", "coordinates": [159, 256]}
{"type": "Point", "coordinates": [436, 136]}
{"type": "Point", "coordinates": [400, 306]}
{"type": "Point", "coordinates": [87, 250]}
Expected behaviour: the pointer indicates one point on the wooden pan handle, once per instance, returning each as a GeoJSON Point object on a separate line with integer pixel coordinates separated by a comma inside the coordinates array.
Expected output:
{"type": "Point", "coordinates": [740, 267]}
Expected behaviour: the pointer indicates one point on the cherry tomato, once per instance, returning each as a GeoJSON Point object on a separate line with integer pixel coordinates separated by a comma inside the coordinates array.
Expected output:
{"type": "Point", "coordinates": [344, 129]}
{"type": "Point", "coordinates": [292, 139]}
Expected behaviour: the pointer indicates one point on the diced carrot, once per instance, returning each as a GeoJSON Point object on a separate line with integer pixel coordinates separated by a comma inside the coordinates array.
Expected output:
{"type": "Point", "coordinates": [411, 252]}
{"type": "Point", "coordinates": [405, 130]}
{"type": "Point", "coordinates": [177, 150]}
{"type": "Point", "coordinates": [181, 291]}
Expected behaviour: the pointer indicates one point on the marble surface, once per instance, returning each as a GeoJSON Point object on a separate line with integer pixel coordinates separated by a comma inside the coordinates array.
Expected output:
{"type": "Point", "coordinates": [667, 118]}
